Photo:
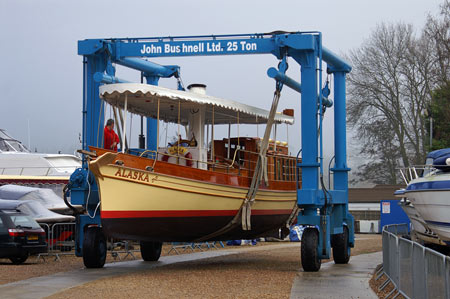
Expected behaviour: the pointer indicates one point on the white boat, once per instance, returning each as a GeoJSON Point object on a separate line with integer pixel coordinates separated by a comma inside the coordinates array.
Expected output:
{"type": "Point", "coordinates": [16, 159]}
{"type": "Point", "coordinates": [18, 165]}
{"type": "Point", "coordinates": [428, 190]}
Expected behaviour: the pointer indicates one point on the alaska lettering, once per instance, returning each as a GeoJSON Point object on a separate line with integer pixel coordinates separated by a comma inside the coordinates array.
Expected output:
{"type": "Point", "coordinates": [132, 174]}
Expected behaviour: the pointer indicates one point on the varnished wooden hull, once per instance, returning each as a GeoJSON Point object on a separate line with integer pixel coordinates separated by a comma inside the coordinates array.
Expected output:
{"type": "Point", "coordinates": [153, 205]}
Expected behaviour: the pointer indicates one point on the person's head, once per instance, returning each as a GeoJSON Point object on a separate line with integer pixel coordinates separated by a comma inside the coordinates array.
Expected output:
{"type": "Point", "coordinates": [110, 123]}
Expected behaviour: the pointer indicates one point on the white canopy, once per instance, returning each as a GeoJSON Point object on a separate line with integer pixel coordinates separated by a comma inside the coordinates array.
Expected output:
{"type": "Point", "coordinates": [143, 99]}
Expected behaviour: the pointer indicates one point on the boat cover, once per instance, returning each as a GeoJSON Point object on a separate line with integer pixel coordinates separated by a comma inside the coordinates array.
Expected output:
{"type": "Point", "coordinates": [35, 209]}
{"type": "Point", "coordinates": [142, 99]}
{"type": "Point", "coordinates": [439, 153]}
{"type": "Point", "coordinates": [46, 197]}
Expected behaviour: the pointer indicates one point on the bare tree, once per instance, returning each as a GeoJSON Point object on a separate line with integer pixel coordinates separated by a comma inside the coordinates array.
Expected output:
{"type": "Point", "coordinates": [390, 87]}
{"type": "Point", "coordinates": [437, 31]}
{"type": "Point", "coordinates": [380, 143]}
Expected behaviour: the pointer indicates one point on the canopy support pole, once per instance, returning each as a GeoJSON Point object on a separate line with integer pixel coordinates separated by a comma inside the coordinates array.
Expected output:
{"type": "Point", "coordinates": [125, 125]}
{"type": "Point", "coordinates": [212, 136]}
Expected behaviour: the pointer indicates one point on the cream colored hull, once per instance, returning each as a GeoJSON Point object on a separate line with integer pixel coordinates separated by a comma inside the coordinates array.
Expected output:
{"type": "Point", "coordinates": [132, 198]}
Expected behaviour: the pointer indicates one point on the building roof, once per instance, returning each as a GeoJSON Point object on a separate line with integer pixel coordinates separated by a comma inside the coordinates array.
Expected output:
{"type": "Point", "coordinates": [372, 195]}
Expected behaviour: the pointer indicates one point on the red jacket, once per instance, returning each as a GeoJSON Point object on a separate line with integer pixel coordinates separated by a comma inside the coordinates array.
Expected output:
{"type": "Point", "coordinates": [109, 137]}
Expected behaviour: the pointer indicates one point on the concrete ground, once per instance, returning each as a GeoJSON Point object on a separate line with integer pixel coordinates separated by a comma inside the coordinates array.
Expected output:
{"type": "Point", "coordinates": [332, 281]}
{"type": "Point", "coordinates": [41, 287]}
{"type": "Point", "coordinates": [338, 281]}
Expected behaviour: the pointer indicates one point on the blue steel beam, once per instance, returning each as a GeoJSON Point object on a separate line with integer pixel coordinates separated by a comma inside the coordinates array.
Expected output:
{"type": "Point", "coordinates": [212, 45]}
{"type": "Point", "coordinates": [93, 117]}
{"type": "Point", "coordinates": [149, 67]}
{"type": "Point", "coordinates": [152, 124]}
{"type": "Point", "coordinates": [283, 78]}
{"type": "Point", "coordinates": [334, 62]}
{"type": "Point", "coordinates": [340, 136]}
{"type": "Point", "coordinates": [340, 169]}
{"type": "Point", "coordinates": [309, 132]}
{"type": "Point", "coordinates": [108, 79]}
{"type": "Point", "coordinates": [289, 82]}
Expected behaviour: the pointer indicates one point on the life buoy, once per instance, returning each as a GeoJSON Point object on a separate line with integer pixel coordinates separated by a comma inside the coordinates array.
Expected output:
{"type": "Point", "coordinates": [181, 151]}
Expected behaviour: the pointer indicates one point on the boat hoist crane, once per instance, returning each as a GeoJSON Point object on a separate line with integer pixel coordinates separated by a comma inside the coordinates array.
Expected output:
{"type": "Point", "coordinates": [323, 211]}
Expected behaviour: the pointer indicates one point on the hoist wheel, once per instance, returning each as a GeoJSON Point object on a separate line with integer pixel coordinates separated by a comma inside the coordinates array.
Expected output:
{"type": "Point", "coordinates": [341, 250]}
{"type": "Point", "coordinates": [151, 251]}
{"type": "Point", "coordinates": [94, 247]}
{"type": "Point", "coordinates": [309, 252]}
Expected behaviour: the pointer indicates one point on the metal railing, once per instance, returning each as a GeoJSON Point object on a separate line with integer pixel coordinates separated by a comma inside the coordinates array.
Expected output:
{"type": "Point", "coordinates": [60, 239]}
{"type": "Point", "coordinates": [37, 170]}
{"type": "Point", "coordinates": [283, 167]}
{"type": "Point", "coordinates": [413, 172]}
{"type": "Point", "coordinates": [415, 270]}
{"type": "Point", "coordinates": [176, 246]}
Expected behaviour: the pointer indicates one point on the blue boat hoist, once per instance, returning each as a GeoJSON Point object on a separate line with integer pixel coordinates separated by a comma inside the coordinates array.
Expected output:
{"type": "Point", "coordinates": [324, 212]}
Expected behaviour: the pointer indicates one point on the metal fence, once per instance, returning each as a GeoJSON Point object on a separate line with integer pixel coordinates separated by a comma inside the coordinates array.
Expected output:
{"type": "Point", "coordinates": [416, 271]}
{"type": "Point", "coordinates": [181, 247]}
{"type": "Point", "coordinates": [60, 239]}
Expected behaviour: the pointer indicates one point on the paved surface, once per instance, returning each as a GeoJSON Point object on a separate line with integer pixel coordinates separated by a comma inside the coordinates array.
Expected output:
{"type": "Point", "coordinates": [40, 287]}
{"type": "Point", "coordinates": [341, 281]}
{"type": "Point", "coordinates": [338, 281]}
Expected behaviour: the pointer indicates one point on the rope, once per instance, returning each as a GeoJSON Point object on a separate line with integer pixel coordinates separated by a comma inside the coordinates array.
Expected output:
{"type": "Point", "coordinates": [261, 164]}
{"type": "Point", "coordinates": [178, 136]}
{"type": "Point", "coordinates": [157, 128]}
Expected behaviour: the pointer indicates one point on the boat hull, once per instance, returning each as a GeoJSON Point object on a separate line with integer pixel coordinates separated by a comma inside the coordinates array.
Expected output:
{"type": "Point", "coordinates": [144, 205]}
{"type": "Point", "coordinates": [419, 226]}
{"type": "Point", "coordinates": [431, 198]}
{"type": "Point", "coordinates": [189, 229]}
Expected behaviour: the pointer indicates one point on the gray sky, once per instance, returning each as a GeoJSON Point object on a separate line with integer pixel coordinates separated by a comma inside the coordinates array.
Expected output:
{"type": "Point", "coordinates": [41, 73]}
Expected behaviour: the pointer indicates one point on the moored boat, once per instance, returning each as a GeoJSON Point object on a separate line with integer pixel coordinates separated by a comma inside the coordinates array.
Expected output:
{"type": "Point", "coordinates": [428, 190]}
{"type": "Point", "coordinates": [20, 166]}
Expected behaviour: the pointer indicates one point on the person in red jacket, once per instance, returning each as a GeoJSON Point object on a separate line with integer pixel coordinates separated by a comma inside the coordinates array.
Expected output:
{"type": "Point", "coordinates": [110, 137]}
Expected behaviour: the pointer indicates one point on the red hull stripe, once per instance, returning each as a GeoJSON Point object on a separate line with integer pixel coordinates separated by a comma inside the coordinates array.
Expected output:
{"type": "Point", "coordinates": [187, 213]}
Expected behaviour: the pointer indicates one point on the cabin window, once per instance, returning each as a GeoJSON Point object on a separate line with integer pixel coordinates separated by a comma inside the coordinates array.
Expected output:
{"type": "Point", "coordinates": [3, 146]}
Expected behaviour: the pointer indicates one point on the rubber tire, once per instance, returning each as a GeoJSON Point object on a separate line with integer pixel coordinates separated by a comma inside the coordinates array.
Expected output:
{"type": "Point", "coordinates": [309, 253]}
{"type": "Point", "coordinates": [17, 260]}
{"type": "Point", "coordinates": [341, 250]}
{"type": "Point", "coordinates": [94, 247]}
{"type": "Point", "coordinates": [151, 251]}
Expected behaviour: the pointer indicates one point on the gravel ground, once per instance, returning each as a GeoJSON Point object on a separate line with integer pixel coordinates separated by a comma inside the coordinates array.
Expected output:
{"type": "Point", "coordinates": [376, 284]}
{"type": "Point", "coordinates": [253, 273]}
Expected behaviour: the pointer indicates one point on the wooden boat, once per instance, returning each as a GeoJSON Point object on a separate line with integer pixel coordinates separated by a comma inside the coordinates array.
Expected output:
{"type": "Point", "coordinates": [168, 195]}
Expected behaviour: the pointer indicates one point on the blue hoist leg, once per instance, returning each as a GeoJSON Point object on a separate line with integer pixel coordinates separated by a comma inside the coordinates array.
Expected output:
{"type": "Point", "coordinates": [82, 186]}
{"type": "Point", "coordinates": [323, 212]}
{"type": "Point", "coordinates": [340, 170]}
